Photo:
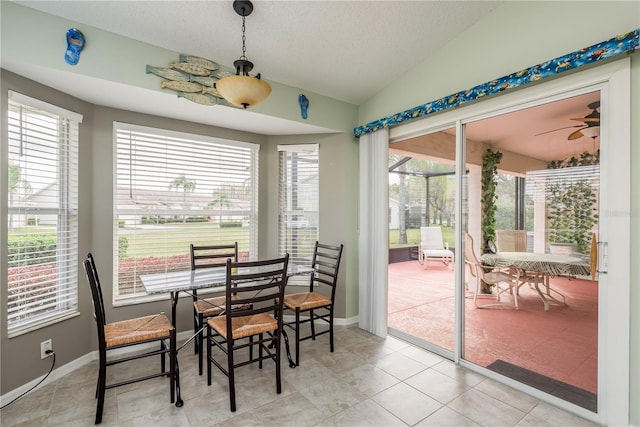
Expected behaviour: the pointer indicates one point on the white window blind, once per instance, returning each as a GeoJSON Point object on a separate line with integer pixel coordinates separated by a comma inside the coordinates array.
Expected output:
{"type": "Point", "coordinates": [298, 201]}
{"type": "Point", "coordinates": [173, 189]}
{"type": "Point", "coordinates": [42, 214]}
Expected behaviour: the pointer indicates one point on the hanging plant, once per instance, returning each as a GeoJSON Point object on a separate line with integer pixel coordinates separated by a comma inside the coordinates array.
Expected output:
{"type": "Point", "coordinates": [573, 210]}
{"type": "Point", "coordinates": [585, 159]}
{"type": "Point", "coordinates": [490, 161]}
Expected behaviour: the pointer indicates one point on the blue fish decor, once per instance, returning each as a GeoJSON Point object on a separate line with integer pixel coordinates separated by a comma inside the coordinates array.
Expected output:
{"type": "Point", "coordinates": [304, 104]}
{"type": "Point", "coordinates": [75, 44]}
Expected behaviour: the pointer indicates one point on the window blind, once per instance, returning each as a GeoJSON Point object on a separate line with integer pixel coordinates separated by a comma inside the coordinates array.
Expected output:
{"type": "Point", "coordinates": [42, 213]}
{"type": "Point", "coordinates": [172, 189]}
{"type": "Point", "coordinates": [298, 201]}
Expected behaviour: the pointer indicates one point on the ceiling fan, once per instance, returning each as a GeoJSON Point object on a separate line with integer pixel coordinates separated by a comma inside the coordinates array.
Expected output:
{"type": "Point", "coordinates": [589, 122]}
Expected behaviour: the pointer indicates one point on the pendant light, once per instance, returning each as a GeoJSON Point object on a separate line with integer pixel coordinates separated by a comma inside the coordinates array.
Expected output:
{"type": "Point", "coordinates": [242, 89]}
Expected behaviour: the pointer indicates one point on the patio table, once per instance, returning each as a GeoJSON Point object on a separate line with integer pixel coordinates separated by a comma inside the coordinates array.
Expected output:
{"type": "Point", "coordinates": [543, 265]}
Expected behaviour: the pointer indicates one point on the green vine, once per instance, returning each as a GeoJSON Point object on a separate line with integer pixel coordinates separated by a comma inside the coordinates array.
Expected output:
{"type": "Point", "coordinates": [572, 205]}
{"type": "Point", "coordinates": [490, 161]}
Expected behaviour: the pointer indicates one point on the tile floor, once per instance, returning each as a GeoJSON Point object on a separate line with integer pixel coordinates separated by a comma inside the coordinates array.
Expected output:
{"type": "Point", "coordinates": [367, 381]}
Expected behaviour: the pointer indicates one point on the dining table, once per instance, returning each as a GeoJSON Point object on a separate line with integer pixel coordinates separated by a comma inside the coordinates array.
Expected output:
{"type": "Point", "coordinates": [539, 267]}
{"type": "Point", "coordinates": [213, 279]}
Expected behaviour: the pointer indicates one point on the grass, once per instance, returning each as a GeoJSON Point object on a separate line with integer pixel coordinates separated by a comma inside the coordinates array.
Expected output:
{"type": "Point", "coordinates": [413, 237]}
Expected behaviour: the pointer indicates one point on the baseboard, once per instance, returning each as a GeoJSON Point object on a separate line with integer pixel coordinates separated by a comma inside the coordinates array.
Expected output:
{"type": "Point", "coordinates": [56, 374]}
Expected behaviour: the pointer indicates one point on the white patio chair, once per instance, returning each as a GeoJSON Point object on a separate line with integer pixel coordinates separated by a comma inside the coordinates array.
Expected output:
{"type": "Point", "coordinates": [432, 246]}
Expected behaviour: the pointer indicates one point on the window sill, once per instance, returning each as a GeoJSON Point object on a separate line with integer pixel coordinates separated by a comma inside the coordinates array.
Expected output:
{"type": "Point", "coordinates": [43, 323]}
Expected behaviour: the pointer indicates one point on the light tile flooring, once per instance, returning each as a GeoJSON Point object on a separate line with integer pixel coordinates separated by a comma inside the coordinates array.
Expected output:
{"type": "Point", "coordinates": [367, 381]}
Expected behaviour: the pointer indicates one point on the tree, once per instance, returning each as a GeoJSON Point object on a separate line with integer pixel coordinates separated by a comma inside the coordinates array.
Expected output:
{"type": "Point", "coordinates": [187, 186]}
{"type": "Point", "coordinates": [221, 200]}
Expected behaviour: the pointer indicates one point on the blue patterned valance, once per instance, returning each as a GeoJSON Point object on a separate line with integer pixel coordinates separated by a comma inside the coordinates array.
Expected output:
{"type": "Point", "coordinates": [589, 55]}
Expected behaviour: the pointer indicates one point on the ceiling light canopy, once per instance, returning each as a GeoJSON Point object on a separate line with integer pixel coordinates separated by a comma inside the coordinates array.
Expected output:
{"type": "Point", "coordinates": [242, 89]}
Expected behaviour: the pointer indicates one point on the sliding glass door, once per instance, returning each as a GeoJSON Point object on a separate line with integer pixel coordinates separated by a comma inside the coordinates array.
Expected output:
{"type": "Point", "coordinates": [536, 225]}
{"type": "Point", "coordinates": [422, 194]}
{"type": "Point", "coordinates": [540, 189]}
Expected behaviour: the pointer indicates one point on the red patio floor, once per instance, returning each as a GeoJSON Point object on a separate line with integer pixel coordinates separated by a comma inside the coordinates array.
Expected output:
{"type": "Point", "coordinates": [560, 343]}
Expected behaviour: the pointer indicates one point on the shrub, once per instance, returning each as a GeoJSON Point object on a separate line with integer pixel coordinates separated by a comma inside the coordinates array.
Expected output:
{"type": "Point", "coordinates": [231, 224]}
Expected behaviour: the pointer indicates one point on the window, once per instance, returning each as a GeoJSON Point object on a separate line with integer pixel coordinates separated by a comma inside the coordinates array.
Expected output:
{"type": "Point", "coordinates": [173, 189]}
{"type": "Point", "coordinates": [298, 202]}
{"type": "Point", "coordinates": [42, 214]}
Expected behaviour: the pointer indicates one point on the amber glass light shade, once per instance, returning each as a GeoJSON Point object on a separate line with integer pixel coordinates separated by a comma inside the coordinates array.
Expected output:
{"type": "Point", "coordinates": [243, 91]}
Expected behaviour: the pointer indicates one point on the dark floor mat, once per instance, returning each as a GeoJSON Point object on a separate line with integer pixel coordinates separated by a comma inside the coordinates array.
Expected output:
{"type": "Point", "coordinates": [564, 391]}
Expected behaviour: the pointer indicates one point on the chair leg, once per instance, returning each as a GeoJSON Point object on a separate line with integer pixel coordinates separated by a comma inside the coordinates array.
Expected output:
{"type": "Point", "coordinates": [173, 362]}
{"type": "Point", "coordinates": [199, 338]}
{"type": "Point", "coordinates": [278, 382]}
{"type": "Point", "coordinates": [331, 328]}
{"type": "Point", "coordinates": [313, 326]}
{"type": "Point", "coordinates": [260, 344]}
{"type": "Point", "coordinates": [162, 358]}
{"type": "Point", "coordinates": [232, 386]}
{"type": "Point", "coordinates": [102, 378]}
{"type": "Point", "coordinates": [297, 337]}
{"type": "Point", "coordinates": [209, 355]}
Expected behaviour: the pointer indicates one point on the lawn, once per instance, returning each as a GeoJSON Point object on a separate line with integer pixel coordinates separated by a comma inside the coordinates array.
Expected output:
{"type": "Point", "coordinates": [413, 237]}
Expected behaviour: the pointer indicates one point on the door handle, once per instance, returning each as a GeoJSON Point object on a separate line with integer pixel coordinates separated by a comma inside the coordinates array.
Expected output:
{"type": "Point", "coordinates": [604, 257]}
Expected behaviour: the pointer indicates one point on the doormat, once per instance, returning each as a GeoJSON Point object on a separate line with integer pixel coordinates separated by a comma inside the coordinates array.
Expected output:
{"type": "Point", "coordinates": [564, 391]}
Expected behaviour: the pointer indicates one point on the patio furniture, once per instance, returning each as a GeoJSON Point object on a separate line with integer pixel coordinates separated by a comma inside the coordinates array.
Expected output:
{"type": "Point", "coordinates": [260, 285]}
{"type": "Point", "coordinates": [116, 335]}
{"type": "Point", "coordinates": [545, 265]}
{"type": "Point", "coordinates": [326, 261]}
{"type": "Point", "coordinates": [432, 246]}
{"type": "Point", "coordinates": [485, 274]}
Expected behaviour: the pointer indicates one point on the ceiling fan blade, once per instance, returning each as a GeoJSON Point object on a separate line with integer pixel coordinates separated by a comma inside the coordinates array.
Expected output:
{"type": "Point", "coordinates": [575, 135]}
{"type": "Point", "coordinates": [554, 130]}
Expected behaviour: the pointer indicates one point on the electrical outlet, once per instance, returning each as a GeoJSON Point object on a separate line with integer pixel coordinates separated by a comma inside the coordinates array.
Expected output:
{"type": "Point", "coordinates": [44, 347]}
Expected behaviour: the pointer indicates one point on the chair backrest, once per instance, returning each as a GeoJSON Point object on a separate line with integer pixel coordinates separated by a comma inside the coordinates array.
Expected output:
{"type": "Point", "coordinates": [431, 238]}
{"type": "Point", "coordinates": [96, 294]}
{"type": "Point", "coordinates": [471, 258]}
{"type": "Point", "coordinates": [326, 262]}
{"type": "Point", "coordinates": [511, 240]}
{"type": "Point", "coordinates": [256, 285]}
{"type": "Point", "coordinates": [212, 255]}
{"type": "Point", "coordinates": [92, 262]}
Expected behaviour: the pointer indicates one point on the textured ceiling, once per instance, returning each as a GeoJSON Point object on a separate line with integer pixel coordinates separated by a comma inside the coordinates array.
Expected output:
{"type": "Point", "coordinates": [348, 50]}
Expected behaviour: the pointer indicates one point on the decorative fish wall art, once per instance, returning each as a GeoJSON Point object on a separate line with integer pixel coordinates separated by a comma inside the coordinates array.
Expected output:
{"type": "Point", "coordinates": [192, 78]}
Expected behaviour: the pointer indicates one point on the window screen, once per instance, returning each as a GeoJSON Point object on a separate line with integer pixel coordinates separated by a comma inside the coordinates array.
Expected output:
{"type": "Point", "coordinates": [42, 214]}
{"type": "Point", "coordinates": [173, 189]}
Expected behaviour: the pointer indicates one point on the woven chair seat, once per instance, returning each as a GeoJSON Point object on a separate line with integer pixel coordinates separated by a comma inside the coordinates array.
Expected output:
{"type": "Point", "coordinates": [306, 301]}
{"type": "Point", "coordinates": [137, 330]}
{"type": "Point", "coordinates": [244, 326]}
{"type": "Point", "coordinates": [210, 307]}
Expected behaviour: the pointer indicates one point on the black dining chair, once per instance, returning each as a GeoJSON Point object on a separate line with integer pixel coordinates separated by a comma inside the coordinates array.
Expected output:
{"type": "Point", "coordinates": [260, 286]}
{"type": "Point", "coordinates": [208, 257]}
{"type": "Point", "coordinates": [319, 306]}
{"type": "Point", "coordinates": [125, 333]}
